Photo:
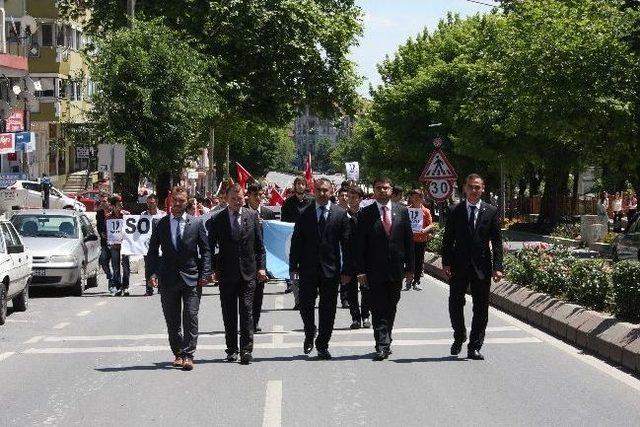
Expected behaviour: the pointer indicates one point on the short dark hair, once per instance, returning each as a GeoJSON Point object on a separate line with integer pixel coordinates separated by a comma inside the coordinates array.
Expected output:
{"type": "Point", "coordinates": [152, 196]}
{"type": "Point", "coordinates": [254, 188]}
{"type": "Point", "coordinates": [236, 188]}
{"type": "Point", "coordinates": [343, 189]}
{"type": "Point", "coordinates": [473, 176]}
{"type": "Point", "coordinates": [397, 190]}
{"type": "Point", "coordinates": [324, 181]}
{"type": "Point", "coordinates": [357, 190]}
{"type": "Point", "coordinates": [383, 180]}
{"type": "Point", "coordinates": [114, 200]}
{"type": "Point", "coordinates": [300, 179]}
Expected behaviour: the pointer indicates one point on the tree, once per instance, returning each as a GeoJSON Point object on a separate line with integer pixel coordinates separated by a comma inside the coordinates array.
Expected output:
{"type": "Point", "coordinates": [154, 95]}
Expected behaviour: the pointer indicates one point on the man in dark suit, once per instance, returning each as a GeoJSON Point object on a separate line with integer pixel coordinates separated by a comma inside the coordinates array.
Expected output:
{"type": "Point", "coordinates": [385, 257]}
{"type": "Point", "coordinates": [236, 231]}
{"type": "Point", "coordinates": [359, 309]}
{"type": "Point", "coordinates": [320, 257]}
{"type": "Point", "coordinates": [255, 193]}
{"type": "Point", "coordinates": [469, 261]}
{"type": "Point", "coordinates": [183, 240]}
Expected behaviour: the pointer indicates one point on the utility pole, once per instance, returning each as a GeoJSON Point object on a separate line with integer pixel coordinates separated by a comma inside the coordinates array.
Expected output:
{"type": "Point", "coordinates": [213, 182]}
{"type": "Point", "coordinates": [226, 164]}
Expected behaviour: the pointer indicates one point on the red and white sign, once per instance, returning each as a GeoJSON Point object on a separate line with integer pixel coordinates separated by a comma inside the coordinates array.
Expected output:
{"type": "Point", "coordinates": [440, 189]}
{"type": "Point", "coordinates": [15, 122]}
{"type": "Point", "coordinates": [438, 167]}
{"type": "Point", "coordinates": [7, 143]}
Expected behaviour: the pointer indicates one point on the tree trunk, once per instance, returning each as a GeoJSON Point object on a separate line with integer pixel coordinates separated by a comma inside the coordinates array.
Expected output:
{"type": "Point", "coordinates": [556, 179]}
{"type": "Point", "coordinates": [127, 184]}
{"type": "Point", "coordinates": [163, 184]}
{"type": "Point", "coordinates": [574, 192]}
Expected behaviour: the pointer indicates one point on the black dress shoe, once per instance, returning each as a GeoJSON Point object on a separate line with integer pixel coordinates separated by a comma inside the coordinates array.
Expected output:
{"type": "Point", "coordinates": [456, 347]}
{"type": "Point", "coordinates": [345, 304]}
{"type": "Point", "coordinates": [355, 324]}
{"type": "Point", "coordinates": [258, 328]}
{"type": "Point", "coordinates": [232, 357]}
{"type": "Point", "coordinates": [324, 354]}
{"type": "Point", "coordinates": [245, 358]}
{"type": "Point", "coordinates": [308, 344]}
{"type": "Point", "coordinates": [475, 355]}
{"type": "Point", "coordinates": [380, 355]}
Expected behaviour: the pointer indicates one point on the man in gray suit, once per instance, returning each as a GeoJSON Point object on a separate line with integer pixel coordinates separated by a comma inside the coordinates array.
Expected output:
{"type": "Point", "coordinates": [183, 240]}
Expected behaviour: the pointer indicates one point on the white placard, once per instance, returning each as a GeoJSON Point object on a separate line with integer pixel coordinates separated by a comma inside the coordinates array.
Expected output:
{"type": "Point", "coordinates": [136, 234]}
{"type": "Point", "coordinates": [114, 231]}
{"type": "Point", "coordinates": [353, 170]}
{"type": "Point", "coordinates": [416, 218]}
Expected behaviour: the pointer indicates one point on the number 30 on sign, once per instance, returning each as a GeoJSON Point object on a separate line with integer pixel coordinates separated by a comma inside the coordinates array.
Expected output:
{"type": "Point", "coordinates": [440, 189]}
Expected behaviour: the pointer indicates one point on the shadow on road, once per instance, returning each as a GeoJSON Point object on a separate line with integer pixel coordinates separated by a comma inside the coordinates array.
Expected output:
{"type": "Point", "coordinates": [154, 367]}
{"type": "Point", "coordinates": [430, 359]}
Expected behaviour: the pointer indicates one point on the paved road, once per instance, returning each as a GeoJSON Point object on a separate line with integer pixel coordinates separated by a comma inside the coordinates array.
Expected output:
{"type": "Point", "coordinates": [99, 360]}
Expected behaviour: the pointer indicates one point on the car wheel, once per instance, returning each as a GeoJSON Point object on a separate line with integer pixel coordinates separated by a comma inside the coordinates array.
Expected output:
{"type": "Point", "coordinates": [68, 207]}
{"type": "Point", "coordinates": [81, 284]}
{"type": "Point", "coordinates": [3, 303]}
{"type": "Point", "coordinates": [21, 302]}
{"type": "Point", "coordinates": [92, 282]}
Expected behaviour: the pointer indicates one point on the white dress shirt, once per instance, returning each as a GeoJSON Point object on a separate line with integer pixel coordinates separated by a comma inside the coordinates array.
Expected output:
{"type": "Point", "coordinates": [326, 210]}
{"type": "Point", "coordinates": [388, 206]}
{"type": "Point", "coordinates": [174, 227]}
{"type": "Point", "coordinates": [475, 217]}
{"type": "Point", "coordinates": [231, 219]}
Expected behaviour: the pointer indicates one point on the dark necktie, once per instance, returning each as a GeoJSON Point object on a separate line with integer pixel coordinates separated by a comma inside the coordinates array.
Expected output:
{"type": "Point", "coordinates": [472, 218]}
{"type": "Point", "coordinates": [235, 229]}
{"type": "Point", "coordinates": [178, 233]}
{"type": "Point", "coordinates": [322, 222]}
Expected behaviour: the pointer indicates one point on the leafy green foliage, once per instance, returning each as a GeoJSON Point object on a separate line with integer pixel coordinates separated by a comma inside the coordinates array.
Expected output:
{"type": "Point", "coordinates": [434, 244]}
{"type": "Point", "coordinates": [589, 283]}
{"type": "Point", "coordinates": [625, 290]}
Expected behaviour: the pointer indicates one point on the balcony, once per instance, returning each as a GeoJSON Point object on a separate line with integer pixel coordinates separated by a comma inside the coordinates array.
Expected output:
{"type": "Point", "coordinates": [14, 51]}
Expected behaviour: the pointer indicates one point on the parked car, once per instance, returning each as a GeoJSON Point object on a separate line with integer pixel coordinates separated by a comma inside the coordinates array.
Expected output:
{"type": "Point", "coordinates": [627, 246]}
{"type": "Point", "coordinates": [27, 194]}
{"type": "Point", "coordinates": [15, 270]}
{"type": "Point", "coordinates": [64, 245]}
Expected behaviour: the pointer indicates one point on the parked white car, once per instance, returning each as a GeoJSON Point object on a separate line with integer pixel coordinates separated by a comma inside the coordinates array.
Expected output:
{"type": "Point", "coordinates": [27, 194]}
{"type": "Point", "coordinates": [15, 270]}
{"type": "Point", "coordinates": [64, 245]}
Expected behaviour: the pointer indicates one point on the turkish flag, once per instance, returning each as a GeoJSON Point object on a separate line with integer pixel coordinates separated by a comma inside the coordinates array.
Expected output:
{"type": "Point", "coordinates": [168, 203]}
{"type": "Point", "coordinates": [243, 176]}
{"type": "Point", "coordinates": [276, 198]}
{"type": "Point", "coordinates": [308, 173]}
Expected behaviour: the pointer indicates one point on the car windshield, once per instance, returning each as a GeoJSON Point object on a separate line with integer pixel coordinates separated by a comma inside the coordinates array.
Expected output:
{"type": "Point", "coordinates": [34, 225]}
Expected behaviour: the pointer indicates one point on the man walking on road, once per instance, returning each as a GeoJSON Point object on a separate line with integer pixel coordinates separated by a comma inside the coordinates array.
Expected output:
{"type": "Point", "coordinates": [359, 311]}
{"type": "Point", "coordinates": [104, 209]}
{"type": "Point", "coordinates": [472, 253]}
{"type": "Point", "coordinates": [237, 232]}
{"type": "Point", "coordinates": [385, 256]}
{"type": "Point", "coordinates": [119, 263]}
{"type": "Point", "coordinates": [154, 214]}
{"type": "Point", "coordinates": [320, 256]}
{"type": "Point", "coordinates": [182, 239]}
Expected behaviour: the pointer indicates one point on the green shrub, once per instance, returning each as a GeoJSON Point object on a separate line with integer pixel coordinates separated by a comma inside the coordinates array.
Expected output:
{"type": "Point", "coordinates": [434, 244]}
{"type": "Point", "coordinates": [589, 283]}
{"type": "Point", "coordinates": [567, 231]}
{"type": "Point", "coordinates": [625, 290]}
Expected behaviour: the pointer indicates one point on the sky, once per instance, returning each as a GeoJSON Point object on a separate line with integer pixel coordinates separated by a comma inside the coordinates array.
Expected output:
{"type": "Point", "coordinates": [389, 23]}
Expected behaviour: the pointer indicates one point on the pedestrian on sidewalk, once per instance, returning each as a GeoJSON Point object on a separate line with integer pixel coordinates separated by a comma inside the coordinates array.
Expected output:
{"type": "Point", "coordinates": [359, 309]}
{"type": "Point", "coordinates": [104, 209]}
{"type": "Point", "coordinates": [385, 257]}
{"type": "Point", "coordinates": [633, 207]}
{"type": "Point", "coordinates": [320, 257]}
{"type": "Point", "coordinates": [182, 239]}
{"type": "Point", "coordinates": [420, 238]}
{"type": "Point", "coordinates": [154, 215]}
{"type": "Point", "coordinates": [616, 206]}
{"type": "Point", "coordinates": [120, 275]}
{"type": "Point", "coordinates": [472, 253]}
{"type": "Point", "coordinates": [237, 233]}
{"type": "Point", "coordinates": [342, 199]}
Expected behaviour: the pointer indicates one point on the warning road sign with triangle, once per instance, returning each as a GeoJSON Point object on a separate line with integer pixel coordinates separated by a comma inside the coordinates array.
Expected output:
{"type": "Point", "coordinates": [438, 167]}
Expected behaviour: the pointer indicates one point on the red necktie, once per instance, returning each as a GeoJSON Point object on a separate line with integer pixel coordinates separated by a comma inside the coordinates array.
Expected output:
{"type": "Point", "coordinates": [386, 220]}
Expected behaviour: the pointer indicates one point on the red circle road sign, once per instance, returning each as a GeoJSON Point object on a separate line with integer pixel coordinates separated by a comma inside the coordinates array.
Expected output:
{"type": "Point", "coordinates": [440, 189]}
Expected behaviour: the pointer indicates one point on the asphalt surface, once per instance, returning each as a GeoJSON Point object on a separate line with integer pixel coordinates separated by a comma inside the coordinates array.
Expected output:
{"type": "Point", "coordinates": [100, 360]}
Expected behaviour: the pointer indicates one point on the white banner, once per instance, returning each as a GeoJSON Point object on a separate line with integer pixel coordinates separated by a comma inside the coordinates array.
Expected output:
{"type": "Point", "coordinates": [416, 218]}
{"type": "Point", "coordinates": [353, 170]}
{"type": "Point", "coordinates": [136, 234]}
{"type": "Point", "coordinates": [114, 231]}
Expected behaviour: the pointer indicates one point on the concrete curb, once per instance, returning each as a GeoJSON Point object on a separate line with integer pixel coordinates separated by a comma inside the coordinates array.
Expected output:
{"type": "Point", "coordinates": [602, 334]}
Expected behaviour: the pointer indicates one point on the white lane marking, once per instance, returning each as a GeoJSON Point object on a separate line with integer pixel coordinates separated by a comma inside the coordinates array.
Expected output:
{"type": "Point", "coordinates": [277, 334]}
{"type": "Point", "coordinates": [277, 338]}
{"type": "Point", "coordinates": [61, 325]}
{"type": "Point", "coordinates": [34, 340]}
{"type": "Point", "coordinates": [575, 352]}
{"type": "Point", "coordinates": [273, 405]}
{"type": "Point", "coordinates": [150, 348]}
{"type": "Point", "coordinates": [98, 304]}
{"type": "Point", "coordinates": [6, 355]}
{"type": "Point", "coordinates": [83, 313]}
{"type": "Point", "coordinates": [17, 321]}
{"type": "Point", "coordinates": [279, 304]}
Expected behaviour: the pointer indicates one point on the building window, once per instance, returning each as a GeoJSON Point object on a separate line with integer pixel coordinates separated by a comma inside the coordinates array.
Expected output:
{"type": "Point", "coordinates": [47, 34]}
{"type": "Point", "coordinates": [48, 88]}
{"type": "Point", "coordinates": [60, 35]}
{"type": "Point", "coordinates": [78, 39]}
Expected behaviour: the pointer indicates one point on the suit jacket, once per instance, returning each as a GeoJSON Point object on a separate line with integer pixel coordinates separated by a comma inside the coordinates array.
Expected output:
{"type": "Point", "coordinates": [383, 257]}
{"type": "Point", "coordinates": [266, 213]}
{"type": "Point", "coordinates": [242, 258]}
{"type": "Point", "coordinates": [293, 207]}
{"type": "Point", "coordinates": [189, 262]}
{"type": "Point", "coordinates": [463, 248]}
{"type": "Point", "coordinates": [313, 254]}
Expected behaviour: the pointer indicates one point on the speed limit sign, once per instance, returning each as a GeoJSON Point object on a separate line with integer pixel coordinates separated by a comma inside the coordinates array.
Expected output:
{"type": "Point", "coordinates": [440, 189]}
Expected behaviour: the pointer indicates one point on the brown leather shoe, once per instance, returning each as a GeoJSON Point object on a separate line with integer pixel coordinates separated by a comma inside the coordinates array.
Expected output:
{"type": "Point", "coordinates": [188, 364]}
{"type": "Point", "coordinates": [178, 363]}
